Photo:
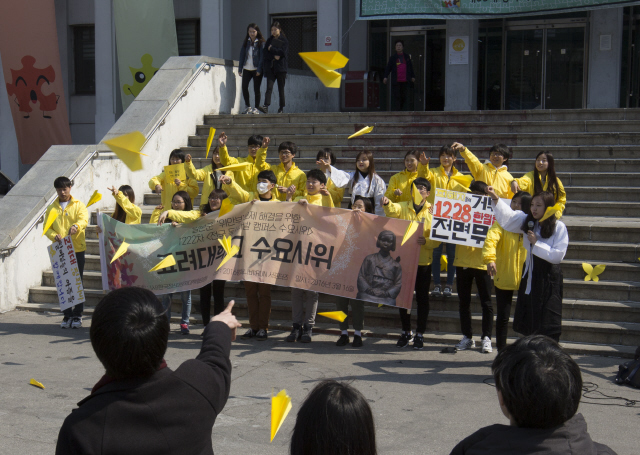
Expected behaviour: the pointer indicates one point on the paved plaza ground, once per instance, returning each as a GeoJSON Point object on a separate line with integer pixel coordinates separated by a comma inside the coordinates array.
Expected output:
{"type": "Point", "coordinates": [424, 402]}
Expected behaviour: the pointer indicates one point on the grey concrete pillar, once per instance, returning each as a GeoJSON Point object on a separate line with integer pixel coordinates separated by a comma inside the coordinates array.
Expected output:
{"type": "Point", "coordinates": [106, 78]}
{"type": "Point", "coordinates": [356, 41]}
{"type": "Point", "coordinates": [461, 81]}
{"type": "Point", "coordinates": [328, 25]}
{"type": "Point", "coordinates": [9, 155]}
{"type": "Point", "coordinates": [605, 58]}
{"type": "Point", "coordinates": [215, 29]}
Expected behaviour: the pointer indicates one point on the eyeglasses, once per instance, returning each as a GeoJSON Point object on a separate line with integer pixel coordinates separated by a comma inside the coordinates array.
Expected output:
{"type": "Point", "coordinates": [285, 152]}
{"type": "Point", "coordinates": [421, 188]}
{"type": "Point", "coordinates": [177, 202]}
{"type": "Point", "coordinates": [494, 154]}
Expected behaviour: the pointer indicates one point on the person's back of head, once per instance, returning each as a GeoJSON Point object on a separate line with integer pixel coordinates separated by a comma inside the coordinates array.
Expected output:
{"type": "Point", "coordinates": [540, 384]}
{"type": "Point", "coordinates": [335, 419]}
{"type": "Point", "coordinates": [129, 333]}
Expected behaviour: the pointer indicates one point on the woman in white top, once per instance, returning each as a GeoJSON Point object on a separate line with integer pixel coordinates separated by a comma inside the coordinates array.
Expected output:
{"type": "Point", "coordinates": [539, 304]}
{"type": "Point", "coordinates": [363, 181]}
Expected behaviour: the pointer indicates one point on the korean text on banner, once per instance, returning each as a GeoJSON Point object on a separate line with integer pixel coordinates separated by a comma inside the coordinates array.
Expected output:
{"type": "Point", "coordinates": [66, 273]}
{"type": "Point", "coordinates": [329, 250]}
{"type": "Point", "coordinates": [33, 76]}
{"type": "Point", "coordinates": [175, 171]}
{"type": "Point", "coordinates": [461, 218]}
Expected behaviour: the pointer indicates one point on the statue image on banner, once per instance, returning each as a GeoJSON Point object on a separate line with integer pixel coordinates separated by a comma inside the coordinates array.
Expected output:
{"type": "Point", "coordinates": [380, 277]}
{"type": "Point", "coordinates": [27, 84]}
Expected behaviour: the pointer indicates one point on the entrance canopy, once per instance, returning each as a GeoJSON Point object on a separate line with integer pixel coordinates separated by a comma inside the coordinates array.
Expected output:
{"type": "Point", "coordinates": [475, 9]}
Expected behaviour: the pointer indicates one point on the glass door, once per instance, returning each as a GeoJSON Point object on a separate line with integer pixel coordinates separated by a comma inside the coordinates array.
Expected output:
{"type": "Point", "coordinates": [415, 46]}
{"type": "Point", "coordinates": [524, 69]}
{"type": "Point", "coordinates": [564, 68]}
{"type": "Point", "coordinates": [630, 87]}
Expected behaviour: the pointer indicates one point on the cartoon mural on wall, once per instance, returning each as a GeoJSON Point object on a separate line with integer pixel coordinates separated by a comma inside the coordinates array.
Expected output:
{"type": "Point", "coordinates": [141, 76]}
{"type": "Point", "coordinates": [27, 86]}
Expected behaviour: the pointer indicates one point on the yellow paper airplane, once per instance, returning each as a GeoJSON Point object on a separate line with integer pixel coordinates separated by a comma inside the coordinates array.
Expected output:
{"type": "Point", "coordinates": [280, 407]}
{"type": "Point", "coordinates": [365, 130]}
{"type": "Point", "coordinates": [212, 133]}
{"type": "Point", "coordinates": [337, 315]}
{"type": "Point", "coordinates": [127, 147]}
{"type": "Point", "coordinates": [231, 250]}
{"type": "Point", "coordinates": [411, 229]}
{"type": "Point", "coordinates": [592, 272]}
{"type": "Point", "coordinates": [53, 215]}
{"type": "Point", "coordinates": [36, 383]}
{"type": "Point", "coordinates": [235, 167]}
{"type": "Point", "coordinates": [464, 180]}
{"type": "Point", "coordinates": [121, 250]}
{"type": "Point", "coordinates": [417, 197]}
{"type": "Point", "coordinates": [166, 262]}
{"type": "Point", "coordinates": [95, 197]}
{"type": "Point", "coordinates": [551, 211]}
{"type": "Point", "coordinates": [444, 262]}
{"type": "Point", "coordinates": [323, 65]}
{"type": "Point", "coordinates": [225, 207]}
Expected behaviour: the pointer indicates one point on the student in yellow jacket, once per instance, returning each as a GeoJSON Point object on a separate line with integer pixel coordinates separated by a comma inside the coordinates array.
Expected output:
{"type": "Point", "coordinates": [326, 160]}
{"type": "Point", "coordinates": [495, 173]}
{"type": "Point", "coordinates": [409, 211]}
{"type": "Point", "coordinates": [399, 188]}
{"type": "Point", "coordinates": [469, 266]}
{"type": "Point", "coordinates": [289, 176]}
{"type": "Point", "coordinates": [126, 209]}
{"type": "Point", "coordinates": [542, 178]}
{"type": "Point", "coordinates": [209, 174]}
{"type": "Point", "coordinates": [247, 177]}
{"type": "Point", "coordinates": [504, 255]}
{"type": "Point", "coordinates": [159, 184]}
{"type": "Point", "coordinates": [72, 220]}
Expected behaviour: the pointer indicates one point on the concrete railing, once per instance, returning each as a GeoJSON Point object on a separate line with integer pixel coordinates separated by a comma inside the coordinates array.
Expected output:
{"type": "Point", "coordinates": [166, 112]}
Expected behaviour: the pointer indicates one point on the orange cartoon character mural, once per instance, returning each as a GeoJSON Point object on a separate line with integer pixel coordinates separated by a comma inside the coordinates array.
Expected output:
{"type": "Point", "coordinates": [27, 84]}
{"type": "Point", "coordinates": [141, 76]}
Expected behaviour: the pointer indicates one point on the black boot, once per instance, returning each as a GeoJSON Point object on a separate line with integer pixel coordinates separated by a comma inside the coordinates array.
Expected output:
{"type": "Point", "coordinates": [306, 334]}
{"type": "Point", "coordinates": [295, 333]}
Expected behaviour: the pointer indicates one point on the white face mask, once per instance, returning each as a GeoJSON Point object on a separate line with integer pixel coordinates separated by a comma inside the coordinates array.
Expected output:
{"type": "Point", "coordinates": [263, 187]}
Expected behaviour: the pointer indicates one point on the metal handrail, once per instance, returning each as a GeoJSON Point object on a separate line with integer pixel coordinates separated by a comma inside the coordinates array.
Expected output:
{"type": "Point", "coordinates": [7, 251]}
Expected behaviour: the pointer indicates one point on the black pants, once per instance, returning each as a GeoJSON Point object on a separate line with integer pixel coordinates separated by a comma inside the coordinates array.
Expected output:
{"type": "Point", "coordinates": [504, 298]}
{"type": "Point", "coordinates": [399, 93]}
{"type": "Point", "coordinates": [465, 277]}
{"type": "Point", "coordinates": [218, 299]}
{"type": "Point", "coordinates": [271, 79]}
{"type": "Point", "coordinates": [76, 310]}
{"type": "Point", "coordinates": [257, 81]}
{"type": "Point", "coordinates": [423, 281]}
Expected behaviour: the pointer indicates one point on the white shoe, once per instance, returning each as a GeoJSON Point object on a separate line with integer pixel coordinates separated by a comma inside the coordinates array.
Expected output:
{"type": "Point", "coordinates": [65, 324]}
{"type": "Point", "coordinates": [465, 343]}
{"type": "Point", "coordinates": [486, 345]}
{"type": "Point", "coordinates": [247, 110]}
{"type": "Point", "coordinates": [76, 323]}
{"type": "Point", "coordinates": [255, 111]}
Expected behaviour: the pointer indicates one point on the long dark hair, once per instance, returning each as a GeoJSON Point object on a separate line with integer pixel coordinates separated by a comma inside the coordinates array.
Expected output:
{"type": "Point", "coordinates": [214, 166]}
{"type": "Point", "coordinates": [177, 153]}
{"type": "Point", "coordinates": [548, 226]}
{"type": "Point", "coordinates": [335, 419]}
{"type": "Point", "coordinates": [188, 205]}
{"type": "Point", "coordinates": [372, 168]}
{"type": "Point", "coordinates": [552, 185]}
{"type": "Point", "coordinates": [247, 39]}
{"type": "Point", "coordinates": [326, 154]}
{"type": "Point", "coordinates": [119, 214]}
{"type": "Point", "coordinates": [205, 209]}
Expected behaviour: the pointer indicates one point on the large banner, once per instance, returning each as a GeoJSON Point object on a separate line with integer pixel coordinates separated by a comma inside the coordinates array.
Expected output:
{"type": "Point", "coordinates": [333, 251]}
{"type": "Point", "coordinates": [33, 76]}
{"type": "Point", "coordinates": [145, 39]}
{"type": "Point", "coordinates": [461, 218]}
{"type": "Point", "coordinates": [475, 9]}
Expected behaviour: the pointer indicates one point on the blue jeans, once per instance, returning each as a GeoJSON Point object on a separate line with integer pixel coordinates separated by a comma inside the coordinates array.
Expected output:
{"type": "Point", "coordinates": [186, 305]}
{"type": "Point", "coordinates": [451, 270]}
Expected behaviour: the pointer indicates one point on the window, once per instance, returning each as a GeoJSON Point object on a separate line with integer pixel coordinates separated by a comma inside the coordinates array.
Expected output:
{"type": "Point", "coordinates": [302, 34]}
{"type": "Point", "coordinates": [84, 59]}
{"type": "Point", "coordinates": [188, 31]}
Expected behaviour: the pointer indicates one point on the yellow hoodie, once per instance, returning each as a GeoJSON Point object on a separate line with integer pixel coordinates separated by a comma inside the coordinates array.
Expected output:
{"type": "Point", "coordinates": [294, 176]}
{"type": "Point", "coordinates": [526, 184]}
{"type": "Point", "coordinates": [439, 179]}
{"type": "Point", "coordinates": [179, 216]}
{"type": "Point", "coordinates": [337, 194]}
{"type": "Point", "coordinates": [401, 181]}
{"type": "Point", "coordinates": [238, 195]}
{"type": "Point", "coordinates": [507, 251]}
{"type": "Point", "coordinates": [316, 199]}
{"type": "Point", "coordinates": [204, 175]}
{"type": "Point", "coordinates": [405, 211]}
{"type": "Point", "coordinates": [170, 188]}
{"type": "Point", "coordinates": [468, 256]}
{"type": "Point", "coordinates": [248, 178]}
{"type": "Point", "coordinates": [499, 179]}
{"type": "Point", "coordinates": [74, 213]}
{"type": "Point", "coordinates": [134, 213]}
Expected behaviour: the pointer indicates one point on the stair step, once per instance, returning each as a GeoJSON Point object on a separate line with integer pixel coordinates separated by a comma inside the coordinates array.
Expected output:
{"type": "Point", "coordinates": [603, 252]}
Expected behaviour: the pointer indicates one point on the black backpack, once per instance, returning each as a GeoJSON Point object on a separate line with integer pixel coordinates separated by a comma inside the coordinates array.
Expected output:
{"type": "Point", "coordinates": [629, 373]}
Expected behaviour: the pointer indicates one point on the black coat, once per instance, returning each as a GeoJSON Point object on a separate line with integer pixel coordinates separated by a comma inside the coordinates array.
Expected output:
{"type": "Point", "coordinates": [571, 438]}
{"type": "Point", "coordinates": [171, 412]}
{"type": "Point", "coordinates": [392, 68]}
{"type": "Point", "coordinates": [270, 64]}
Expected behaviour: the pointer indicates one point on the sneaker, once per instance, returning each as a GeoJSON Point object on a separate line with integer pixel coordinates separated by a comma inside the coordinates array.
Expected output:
{"type": "Point", "coordinates": [247, 110]}
{"type": "Point", "coordinates": [418, 342]}
{"type": "Point", "coordinates": [404, 340]}
{"type": "Point", "coordinates": [261, 335]}
{"type": "Point", "coordinates": [343, 340]}
{"type": "Point", "coordinates": [264, 109]}
{"type": "Point", "coordinates": [447, 291]}
{"type": "Point", "coordinates": [296, 333]}
{"type": "Point", "coordinates": [357, 341]}
{"type": "Point", "coordinates": [76, 323]}
{"type": "Point", "coordinates": [486, 345]}
{"type": "Point", "coordinates": [249, 334]}
{"type": "Point", "coordinates": [255, 111]}
{"type": "Point", "coordinates": [281, 110]}
{"type": "Point", "coordinates": [465, 343]}
{"type": "Point", "coordinates": [66, 323]}
{"type": "Point", "coordinates": [184, 329]}
{"type": "Point", "coordinates": [306, 334]}
{"type": "Point", "coordinates": [436, 291]}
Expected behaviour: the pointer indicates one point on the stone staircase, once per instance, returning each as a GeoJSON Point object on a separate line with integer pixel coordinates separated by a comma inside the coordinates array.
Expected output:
{"type": "Point", "coordinates": [597, 156]}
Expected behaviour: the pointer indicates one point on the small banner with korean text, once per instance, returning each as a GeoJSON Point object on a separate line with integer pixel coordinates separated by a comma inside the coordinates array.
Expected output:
{"type": "Point", "coordinates": [329, 250]}
{"type": "Point", "coordinates": [461, 218]}
{"type": "Point", "coordinates": [66, 273]}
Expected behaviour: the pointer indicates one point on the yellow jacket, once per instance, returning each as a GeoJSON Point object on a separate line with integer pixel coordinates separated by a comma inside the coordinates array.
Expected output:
{"type": "Point", "coordinates": [170, 188]}
{"type": "Point", "coordinates": [247, 178]}
{"type": "Point", "coordinates": [134, 213]}
{"type": "Point", "coordinates": [337, 194]}
{"type": "Point", "coordinates": [238, 195]}
{"type": "Point", "coordinates": [468, 256]}
{"type": "Point", "coordinates": [526, 184]}
{"type": "Point", "coordinates": [401, 181]}
{"type": "Point", "coordinates": [499, 179]}
{"type": "Point", "coordinates": [204, 175]}
{"type": "Point", "coordinates": [439, 179]}
{"type": "Point", "coordinates": [317, 199]}
{"type": "Point", "coordinates": [405, 211]}
{"type": "Point", "coordinates": [294, 176]}
{"type": "Point", "coordinates": [75, 213]}
{"type": "Point", "coordinates": [179, 216]}
{"type": "Point", "coordinates": [507, 251]}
